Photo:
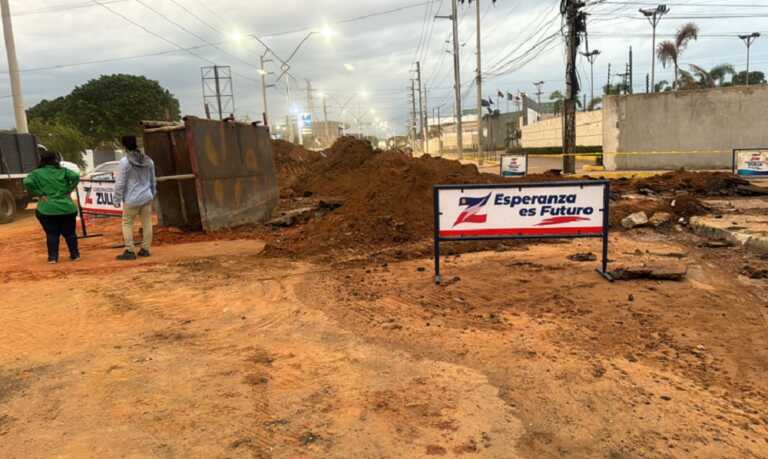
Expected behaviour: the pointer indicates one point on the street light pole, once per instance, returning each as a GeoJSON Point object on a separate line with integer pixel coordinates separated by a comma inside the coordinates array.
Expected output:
{"type": "Point", "coordinates": [654, 16]}
{"type": "Point", "coordinates": [748, 40]}
{"type": "Point", "coordinates": [591, 57]}
{"type": "Point", "coordinates": [13, 70]}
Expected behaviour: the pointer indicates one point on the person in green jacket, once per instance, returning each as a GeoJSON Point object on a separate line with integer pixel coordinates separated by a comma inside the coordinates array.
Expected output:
{"type": "Point", "coordinates": [57, 213]}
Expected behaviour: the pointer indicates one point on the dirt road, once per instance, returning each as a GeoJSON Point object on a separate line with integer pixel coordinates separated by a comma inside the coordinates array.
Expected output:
{"type": "Point", "coordinates": [212, 350]}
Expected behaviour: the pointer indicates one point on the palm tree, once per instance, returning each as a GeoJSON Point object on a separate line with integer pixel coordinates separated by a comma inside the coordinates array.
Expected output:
{"type": "Point", "coordinates": [713, 78]}
{"type": "Point", "coordinates": [670, 51]}
{"type": "Point", "coordinates": [662, 86]}
{"type": "Point", "coordinates": [719, 72]}
{"type": "Point", "coordinates": [559, 99]}
{"type": "Point", "coordinates": [686, 81]}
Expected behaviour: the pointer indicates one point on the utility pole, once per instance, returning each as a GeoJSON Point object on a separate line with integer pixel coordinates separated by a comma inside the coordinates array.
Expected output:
{"type": "Point", "coordinates": [591, 57]}
{"type": "Point", "coordinates": [13, 70]}
{"type": "Point", "coordinates": [439, 133]}
{"type": "Point", "coordinates": [426, 122]}
{"type": "Point", "coordinates": [327, 129]}
{"type": "Point", "coordinates": [413, 115]}
{"type": "Point", "coordinates": [631, 72]}
{"type": "Point", "coordinates": [264, 86]}
{"type": "Point", "coordinates": [454, 17]}
{"type": "Point", "coordinates": [748, 40]}
{"type": "Point", "coordinates": [422, 136]}
{"type": "Point", "coordinates": [608, 81]}
{"type": "Point", "coordinates": [539, 85]}
{"type": "Point", "coordinates": [218, 91]}
{"type": "Point", "coordinates": [479, 88]}
{"type": "Point", "coordinates": [576, 23]}
{"type": "Point", "coordinates": [647, 83]}
{"type": "Point", "coordinates": [654, 17]}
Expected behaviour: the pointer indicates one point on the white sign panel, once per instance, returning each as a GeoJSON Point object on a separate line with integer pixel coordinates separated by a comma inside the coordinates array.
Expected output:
{"type": "Point", "coordinates": [98, 198]}
{"type": "Point", "coordinates": [533, 210]}
{"type": "Point", "coordinates": [752, 163]}
{"type": "Point", "coordinates": [514, 165]}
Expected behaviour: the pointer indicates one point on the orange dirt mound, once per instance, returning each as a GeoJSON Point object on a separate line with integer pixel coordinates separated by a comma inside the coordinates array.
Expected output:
{"type": "Point", "coordinates": [291, 162]}
{"type": "Point", "coordinates": [387, 198]}
{"type": "Point", "coordinates": [699, 183]}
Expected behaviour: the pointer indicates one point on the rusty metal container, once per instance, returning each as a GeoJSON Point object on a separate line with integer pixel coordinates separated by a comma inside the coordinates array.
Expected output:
{"type": "Point", "coordinates": [212, 175]}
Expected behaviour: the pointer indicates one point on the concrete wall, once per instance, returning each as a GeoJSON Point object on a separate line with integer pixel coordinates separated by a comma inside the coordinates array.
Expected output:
{"type": "Point", "coordinates": [692, 129]}
{"type": "Point", "coordinates": [549, 132]}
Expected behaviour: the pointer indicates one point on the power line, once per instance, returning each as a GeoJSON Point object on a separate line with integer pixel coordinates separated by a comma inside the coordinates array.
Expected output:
{"type": "Point", "coordinates": [678, 5]}
{"type": "Point", "coordinates": [154, 34]}
{"type": "Point", "coordinates": [59, 8]}
{"type": "Point", "coordinates": [201, 20]}
{"type": "Point", "coordinates": [204, 40]}
{"type": "Point", "coordinates": [355, 19]}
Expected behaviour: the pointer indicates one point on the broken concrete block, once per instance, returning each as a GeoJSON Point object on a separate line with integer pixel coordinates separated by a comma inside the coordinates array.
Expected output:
{"type": "Point", "coordinates": [635, 220]}
{"type": "Point", "coordinates": [581, 257]}
{"type": "Point", "coordinates": [660, 219]}
{"type": "Point", "coordinates": [659, 271]}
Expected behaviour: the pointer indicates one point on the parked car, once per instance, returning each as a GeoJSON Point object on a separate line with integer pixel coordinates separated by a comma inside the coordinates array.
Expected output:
{"type": "Point", "coordinates": [104, 171]}
{"type": "Point", "coordinates": [71, 166]}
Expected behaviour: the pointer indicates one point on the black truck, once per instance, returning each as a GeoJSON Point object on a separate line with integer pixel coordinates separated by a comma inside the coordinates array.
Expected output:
{"type": "Point", "coordinates": [18, 157]}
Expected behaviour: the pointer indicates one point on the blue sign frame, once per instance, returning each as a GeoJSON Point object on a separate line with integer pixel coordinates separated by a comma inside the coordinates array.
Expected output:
{"type": "Point", "coordinates": [603, 270]}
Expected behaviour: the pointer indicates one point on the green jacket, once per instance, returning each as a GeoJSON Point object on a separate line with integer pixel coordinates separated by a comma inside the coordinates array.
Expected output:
{"type": "Point", "coordinates": [56, 184]}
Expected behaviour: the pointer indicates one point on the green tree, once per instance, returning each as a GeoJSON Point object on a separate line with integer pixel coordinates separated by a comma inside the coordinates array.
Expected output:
{"type": "Point", "coordinates": [616, 89]}
{"type": "Point", "coordinates": [595, 103]}
{"type": "Point", "coordinates": [662, 86]}
{"type": "Point", "coordinates": [110, 106]}
{"type": "Point", "coordinates": [61, 138]}
{"type": "Point", "coordinates": [707, 79]}
{"type": "Point", "coordinates": [559, 99]}
{"type": "Point", "coordinates": [670, 51]}
{"type": "Point", "coordinates": [754, 78]}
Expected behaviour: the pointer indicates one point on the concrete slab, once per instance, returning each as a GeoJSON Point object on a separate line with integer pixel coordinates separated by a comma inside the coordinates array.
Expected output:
{"type": "Point", "coordinates": [738, 204]}
{"type": "Point", "coordinates": [750, 231]}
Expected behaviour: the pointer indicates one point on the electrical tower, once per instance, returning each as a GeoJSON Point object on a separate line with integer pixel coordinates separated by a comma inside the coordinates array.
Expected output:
{"type": "Point", "coordinates": [218, 91]}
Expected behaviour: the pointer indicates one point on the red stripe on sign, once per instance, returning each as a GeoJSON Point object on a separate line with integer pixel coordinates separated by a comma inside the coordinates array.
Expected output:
{"type": "Point", "coordinates": [102, 211]}
{"type": "Point", "coordinates": [523, 232]}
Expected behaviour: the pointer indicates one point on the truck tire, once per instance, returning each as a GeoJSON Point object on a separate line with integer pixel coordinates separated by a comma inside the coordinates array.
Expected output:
{"type": "Point", "coordinates": [22, 204]}
{"type": "Point", "coordinates": [7, 206]}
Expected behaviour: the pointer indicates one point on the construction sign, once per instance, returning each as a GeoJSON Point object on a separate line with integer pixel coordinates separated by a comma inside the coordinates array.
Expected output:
{"type": "Point", "coordinates": [750, 163]}
{"type": "Point", "coordinates": [97, 197]}
{"type": "Point", "coordinates": [532, 210]}
{"type": "Point", "coordinates": [514, 165]}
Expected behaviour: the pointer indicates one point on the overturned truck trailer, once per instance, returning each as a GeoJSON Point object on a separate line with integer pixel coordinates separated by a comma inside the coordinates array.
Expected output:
{"type": "Point", "coordinates": [212, 175]}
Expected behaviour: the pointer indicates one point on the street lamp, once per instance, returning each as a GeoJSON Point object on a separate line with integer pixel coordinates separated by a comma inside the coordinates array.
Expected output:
{"type": "Point", "coordinates": [591, 57]}
{"type": "Point", "coordinates": [748, 40]}
{"type": "Point", "coordinates": [654, 16]}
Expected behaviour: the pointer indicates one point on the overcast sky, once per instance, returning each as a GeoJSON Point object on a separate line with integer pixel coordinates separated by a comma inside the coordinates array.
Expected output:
{"type": "Point", "coordinates": [371, 56]}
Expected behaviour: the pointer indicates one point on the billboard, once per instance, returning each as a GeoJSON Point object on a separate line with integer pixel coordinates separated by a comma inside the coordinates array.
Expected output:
{"type": "Point", "coordinates": [522, 211]}
{"type": "Point", "coordinates": [514, 165]}
{"type": "Point", "coordinates": [751, 163]}
{"type": "Point", "coordinates": [97, 197]}
{"type": "Point", "coordinates": [306, 121]}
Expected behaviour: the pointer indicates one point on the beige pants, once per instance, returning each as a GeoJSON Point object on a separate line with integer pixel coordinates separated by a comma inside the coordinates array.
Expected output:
{"type": "Point", "coordinates": [129, 214]}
